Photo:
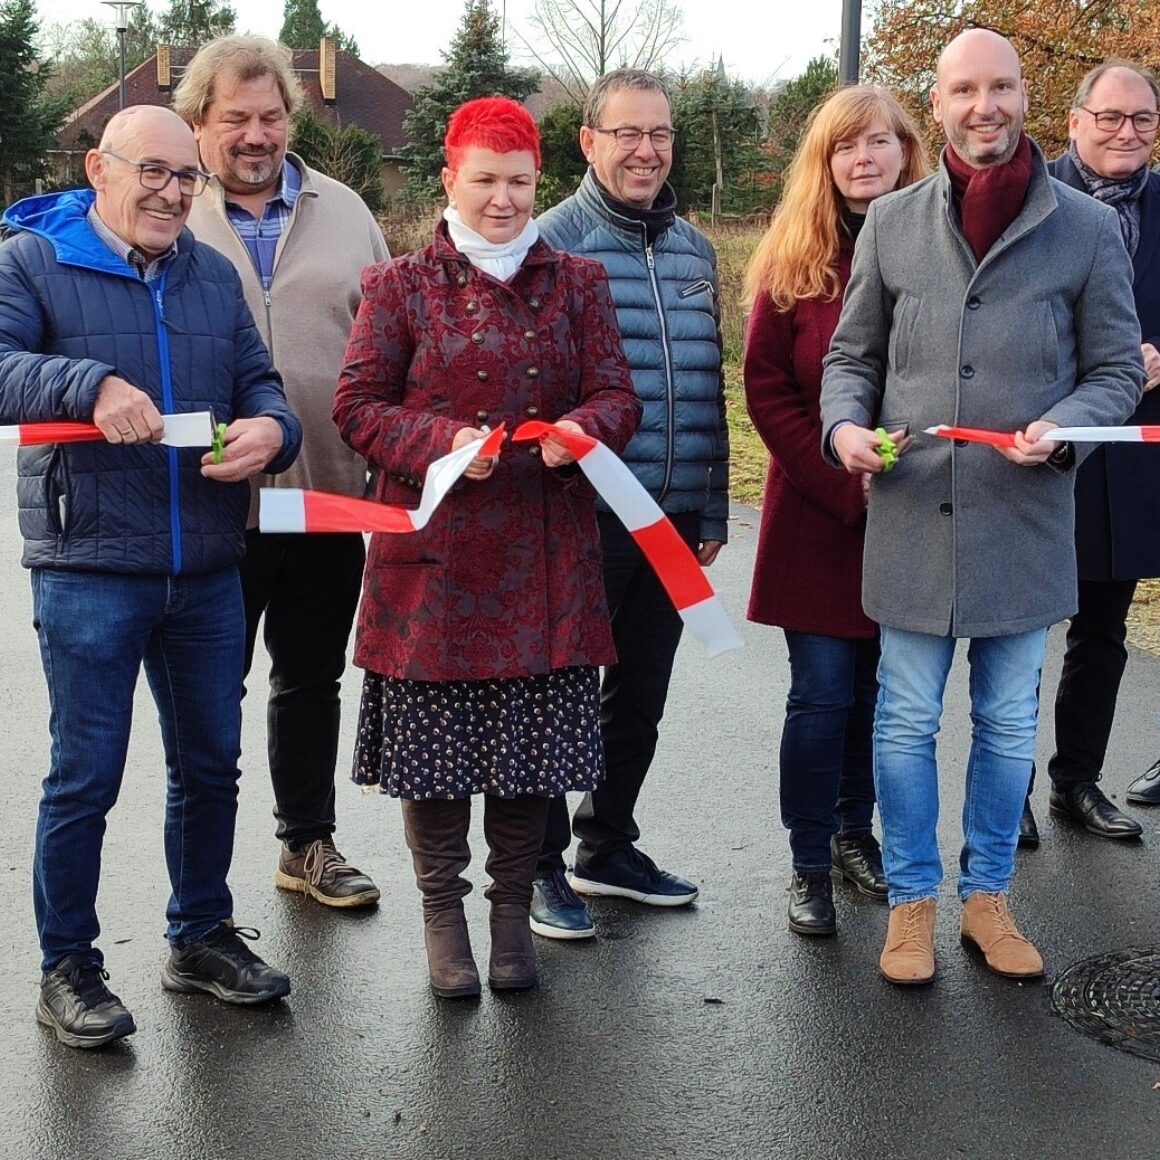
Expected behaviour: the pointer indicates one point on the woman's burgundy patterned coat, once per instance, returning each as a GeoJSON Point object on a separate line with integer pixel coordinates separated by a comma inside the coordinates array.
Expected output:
{"type": "Point", "coordinates": [506, 579]}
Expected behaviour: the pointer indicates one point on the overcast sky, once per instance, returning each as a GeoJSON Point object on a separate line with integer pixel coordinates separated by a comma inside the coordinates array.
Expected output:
{"type": "Point", "coordinates": [775, 45]}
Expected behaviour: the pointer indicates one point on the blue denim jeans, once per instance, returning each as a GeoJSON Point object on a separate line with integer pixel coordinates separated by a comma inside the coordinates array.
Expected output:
{"type": "Point", "coordinates": [826, 762]}
{"type": "Point", "coordinates": [95, 631]}
{"type": "Point", "coordinates": [1004, 680]}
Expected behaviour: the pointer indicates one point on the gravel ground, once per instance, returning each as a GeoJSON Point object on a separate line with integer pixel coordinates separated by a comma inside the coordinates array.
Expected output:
{"type": "Point", "coordinates": [1144, 617]}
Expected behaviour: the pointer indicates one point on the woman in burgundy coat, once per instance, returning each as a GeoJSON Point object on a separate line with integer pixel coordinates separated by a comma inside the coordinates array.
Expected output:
{"type": "Point", "coordinates": [481, 635]}
{"type": "Point", "coordinates": [858, 145]}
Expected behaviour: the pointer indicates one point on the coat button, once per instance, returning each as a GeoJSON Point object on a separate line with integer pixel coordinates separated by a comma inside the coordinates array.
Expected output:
{"type": "Point", "coordinates": [533, 372]}
{"type": "Point", "coordinates": [534, 303]}
{"type": "Point", "coordinates": [471, 307]}
{"type": "Point", "coordinates": [461, 280]}
{"type": "Point", "coordinates": [945, 509]}
{"type": "Point", "coordinates": [529, 334]}
{"type": "Point", "coordinates": [481, 375]}
{"type": "Point", "coordinates": [531, 412]}
{"type": "Point", "coordinates": [534, 451]}
{"type": "Point", "coordinates": [481, 416]}
{"type": "Point", "coordinates": [973, 302]}
{"type": "Point", "coordinates": [967, 371]}
{"type": "Point", "coordinates": [960, 443]}
{"type": "Point", "coordinates": [477, 338]}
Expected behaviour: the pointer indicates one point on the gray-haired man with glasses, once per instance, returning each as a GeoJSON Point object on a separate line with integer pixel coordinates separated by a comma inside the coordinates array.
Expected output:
{"type": "Point", "coordinates": [111, 313]}
{"type": "Point", "coordinates": [1112, 125]}
{"type": "Point", "coordinates": [664, 285]}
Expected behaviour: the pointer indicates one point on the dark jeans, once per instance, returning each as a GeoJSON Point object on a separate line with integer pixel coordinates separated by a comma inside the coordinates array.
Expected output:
{"type": "Point", "coordinates": [1085, 702]}
{"type": "Point", "coordinates": [827, 762]}
{"type": "Point", "coordinates": [95, 632]}
{"type": "Point", "coordinates": [646, 629]}
{"type": "Point", "coordinates": [307, 588]}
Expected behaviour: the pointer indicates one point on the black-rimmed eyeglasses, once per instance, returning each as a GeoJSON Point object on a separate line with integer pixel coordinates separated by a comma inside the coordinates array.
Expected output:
{"type": "Point", "coordinates": [155, 176]}
{"type": "Point", "coordinates": [629, 139]}
{"type": "Point", "coordinates": [1109, 120]}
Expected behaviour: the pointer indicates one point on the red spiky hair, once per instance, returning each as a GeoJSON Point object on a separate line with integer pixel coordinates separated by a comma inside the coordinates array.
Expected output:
{"type": "Point", "coordinates": [496, 123]}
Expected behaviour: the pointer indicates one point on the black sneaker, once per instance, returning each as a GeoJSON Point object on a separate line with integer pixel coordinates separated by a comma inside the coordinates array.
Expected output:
{"type": "Point", "coordinates": [77, 1005]}
{"type": "Point", "coordinates": [629, 873]}
{"type": "Point", "coordinates": [224, 966]}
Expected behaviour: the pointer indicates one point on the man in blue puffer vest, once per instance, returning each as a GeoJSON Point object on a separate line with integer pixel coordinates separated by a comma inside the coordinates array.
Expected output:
{"type": "Point", "coordinates": [663, 275]}
{"type": "Point", "coordinates": [111, 313]}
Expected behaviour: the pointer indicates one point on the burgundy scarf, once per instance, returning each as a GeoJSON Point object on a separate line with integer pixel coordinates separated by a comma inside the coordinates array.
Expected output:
{"type": "Point", "coordinates": [989, 199]}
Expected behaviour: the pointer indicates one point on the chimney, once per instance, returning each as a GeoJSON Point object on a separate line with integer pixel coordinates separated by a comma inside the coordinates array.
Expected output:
{"type": "Point", "coordinates": [327, 80]}
{"type": "Point", "coordinates": [164, 75]}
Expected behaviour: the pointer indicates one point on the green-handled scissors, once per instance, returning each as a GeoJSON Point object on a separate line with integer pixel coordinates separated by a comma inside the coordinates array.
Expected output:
{"type": "Point", "coordinates": [219, 441]}
{"type": "Point", "coordinates": [887, 449]}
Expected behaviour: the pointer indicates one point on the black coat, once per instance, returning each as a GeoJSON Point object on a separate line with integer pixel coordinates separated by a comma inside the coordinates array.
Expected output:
{"type": "Point", "coordinates": [1117, 488]}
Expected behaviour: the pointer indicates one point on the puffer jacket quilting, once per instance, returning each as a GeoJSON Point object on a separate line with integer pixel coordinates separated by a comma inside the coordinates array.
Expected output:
{"type": "Point", "coordinates": [71, 312]}
{"type": "Point", "coordinates": [680, 451]}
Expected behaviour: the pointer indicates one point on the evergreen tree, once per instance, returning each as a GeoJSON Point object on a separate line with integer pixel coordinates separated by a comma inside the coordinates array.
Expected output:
{"type": "Point", "coordinates": [30, 117]}
{"type": "Point", "coordinates": [563, 163]}
{"type": "Point", "coordinates": [303, 27]}
{"type": "Point", "coordinates": [476, 65]}
{"type": "Point", "coordinates": [352, 155]}
{"type": "Point", "coordinates": [790, 109]}
{"type": "Point", "coordinates": [193, 23]}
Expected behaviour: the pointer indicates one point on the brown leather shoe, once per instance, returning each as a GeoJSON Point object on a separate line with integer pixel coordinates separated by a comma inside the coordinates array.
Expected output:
{"type": "Point", "coordinates": [908, 956]}
{"type": "Point", "coordinates": [320, 872]}
{"type": "Point", "coordinates": [988, 926]}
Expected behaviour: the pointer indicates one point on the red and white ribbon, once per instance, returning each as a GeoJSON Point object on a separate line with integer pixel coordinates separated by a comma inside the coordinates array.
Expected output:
{"type": "Point", "coordinates": [193, 429]}
{"type": "Point", "coordinates": [295, 510]}
{"type": "Point", "coordinates": [1055, 434]}
{"type": "Point", "coordinates": [671, 559]}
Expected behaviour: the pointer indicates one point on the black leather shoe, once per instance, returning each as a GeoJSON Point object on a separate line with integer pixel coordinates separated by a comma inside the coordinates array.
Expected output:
{"type": "Point", "coordinates": [1145, 790]}
{"type": "Point", "coordinates": [857, 858]}
{"type": "Point", "coordinates": [77, 1005]}
{"type": "Point", "coordinates": [222, 965]}
{"type": "Point", "coordinates": [811, 904]}
{"type": "Point", "coordinates": [1028, 830]}
{"type": "Point", "coordinates": [1083, 802]}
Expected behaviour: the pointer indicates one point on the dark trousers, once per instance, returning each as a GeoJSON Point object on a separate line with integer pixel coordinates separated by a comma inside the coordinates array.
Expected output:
{"type": "Point", "coordinates": [826, 763]}
{"type": "Point", "coordinates": [1085, 702]}
{"type": "Point", "coordinates": [646, 630]}
{"type": "Point", "coordinates": [307, 588]}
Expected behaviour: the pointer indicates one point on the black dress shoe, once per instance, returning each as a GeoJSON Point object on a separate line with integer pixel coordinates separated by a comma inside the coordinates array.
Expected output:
{"type": "Point", "coordinates": [1145, 790]}
{"type": "Point", "coordinates": [811, 904]}
{"type": "Point", "coordinates": [1083, 802]}
{"type": "Point", "coordinates": [1028, 830]}
{"type": "Point", "coordinates": [857, 858]}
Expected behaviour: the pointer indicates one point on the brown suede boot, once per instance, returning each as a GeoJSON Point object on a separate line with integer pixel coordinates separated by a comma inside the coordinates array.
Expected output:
{"type": "Point", "coordinates": [436, 833]}
{"type": "Point", "coordinates": [988, 926]}
{"type": "Point", "coordinates": [908, 956]}
{"type": "Point", "coordinates": [514, 828]}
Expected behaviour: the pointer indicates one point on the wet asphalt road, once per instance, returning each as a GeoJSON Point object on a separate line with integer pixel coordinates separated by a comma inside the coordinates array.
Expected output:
{"type": "Point", "coordinates": [710, 1032]}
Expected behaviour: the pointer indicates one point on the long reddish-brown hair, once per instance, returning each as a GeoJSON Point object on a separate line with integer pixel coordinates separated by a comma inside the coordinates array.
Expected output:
{"type": "Point", "coordinates": [798, 256]}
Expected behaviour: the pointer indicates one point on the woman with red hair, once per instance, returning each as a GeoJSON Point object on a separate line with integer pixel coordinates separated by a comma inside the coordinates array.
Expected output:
{"type": "Point", "coordinates": [481, 635]}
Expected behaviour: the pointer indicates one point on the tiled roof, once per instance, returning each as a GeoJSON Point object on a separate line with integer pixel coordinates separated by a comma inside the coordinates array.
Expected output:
{"type": "Point", "coordinates": [363, 96]}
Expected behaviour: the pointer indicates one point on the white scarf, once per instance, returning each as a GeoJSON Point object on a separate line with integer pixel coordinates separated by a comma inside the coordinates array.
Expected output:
{"type": "Point", "coordinates": [499, 259]}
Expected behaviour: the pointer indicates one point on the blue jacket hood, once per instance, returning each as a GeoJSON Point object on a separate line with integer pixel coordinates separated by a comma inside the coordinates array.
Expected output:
{"type": "Point", "coordinates": [62, 220]}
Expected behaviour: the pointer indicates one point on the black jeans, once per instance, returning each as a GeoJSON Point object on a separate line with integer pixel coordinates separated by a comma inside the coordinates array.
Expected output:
{"type": "Point", "coordinates": [646, 630]}
{"type": "Point", "coordinates": [1085, 702]}
{"type": "Point", "coordinates": [307, 588]}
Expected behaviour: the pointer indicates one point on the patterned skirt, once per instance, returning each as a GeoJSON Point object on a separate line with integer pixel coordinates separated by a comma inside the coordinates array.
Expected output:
{"type": "Point", "coordinates": [452, 739]}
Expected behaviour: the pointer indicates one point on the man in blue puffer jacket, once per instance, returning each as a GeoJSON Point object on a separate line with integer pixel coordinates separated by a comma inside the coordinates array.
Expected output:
{"type": "Point", "coordinates": [111, 313]}
{"type": "Point", "coordinates": [663, 275]}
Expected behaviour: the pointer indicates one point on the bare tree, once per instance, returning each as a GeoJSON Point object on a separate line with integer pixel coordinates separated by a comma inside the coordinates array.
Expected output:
{"type": "Point", "coordinates": [576, 41]}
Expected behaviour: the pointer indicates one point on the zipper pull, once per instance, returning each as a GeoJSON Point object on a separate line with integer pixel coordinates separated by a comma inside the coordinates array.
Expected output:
{"type": "Point", "coordinates": [266, 295]}
{"type": "Point", "coordinates": [648, 256]}
{"type": "Point", "coordinates": [159, 298]}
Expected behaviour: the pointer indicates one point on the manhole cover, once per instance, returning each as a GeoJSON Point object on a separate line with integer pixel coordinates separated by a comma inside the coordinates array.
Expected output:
{"type": "Point", "coordinates": [1114, 998]}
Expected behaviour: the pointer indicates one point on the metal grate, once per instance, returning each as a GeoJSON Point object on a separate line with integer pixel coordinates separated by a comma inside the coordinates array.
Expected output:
{"type": "Point", "coordinates": [1114, 998]}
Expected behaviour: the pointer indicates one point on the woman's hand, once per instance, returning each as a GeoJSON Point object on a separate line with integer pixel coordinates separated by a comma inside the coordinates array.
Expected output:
{"type": "Point", "coordinates": [478, 468]}
{"type": "Point", "coordinates": [554, 453]}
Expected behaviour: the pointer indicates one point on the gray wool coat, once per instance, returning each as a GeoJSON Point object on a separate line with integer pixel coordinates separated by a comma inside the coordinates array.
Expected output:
{"type": "Point", "coordinates": [960, 541]}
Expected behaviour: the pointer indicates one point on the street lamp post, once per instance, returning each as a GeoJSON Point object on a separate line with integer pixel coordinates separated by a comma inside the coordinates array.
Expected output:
{"type": "Point", "coordinates": [851, 42]}
{"type": "Point", "coordinates": [121, 9]}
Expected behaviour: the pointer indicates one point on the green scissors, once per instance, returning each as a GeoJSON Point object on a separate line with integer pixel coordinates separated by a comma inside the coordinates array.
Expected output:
{"type": "Point", "coordinates": [886, 449]}
{"type": "Point", "coordinates": [219, 441]}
